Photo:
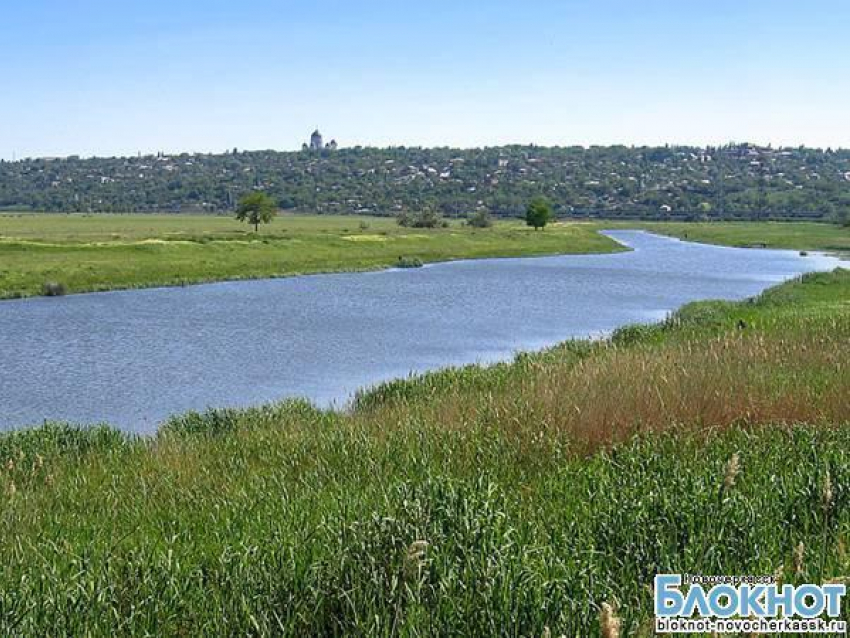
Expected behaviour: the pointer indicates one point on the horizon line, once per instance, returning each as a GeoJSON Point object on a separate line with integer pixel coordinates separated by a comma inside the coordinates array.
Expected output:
{"type": "Point", "coordinates": [769, 146]}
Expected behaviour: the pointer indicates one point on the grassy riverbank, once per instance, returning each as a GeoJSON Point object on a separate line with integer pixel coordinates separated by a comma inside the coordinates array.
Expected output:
{"type": "Point", "coordinates": [784, 235]}
{"type": "Point", "coordinates": [106, 252]}
{"type": "Point", "coordinates": [84, 253]}
{"type": "Point", "coordinates": [473, 502]}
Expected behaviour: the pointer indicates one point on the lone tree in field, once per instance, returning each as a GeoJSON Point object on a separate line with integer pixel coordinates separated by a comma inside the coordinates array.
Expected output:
{"type": "Point", "coordinates": [538, 213]}
{"type": "Point", "coordinates": [256, 208]}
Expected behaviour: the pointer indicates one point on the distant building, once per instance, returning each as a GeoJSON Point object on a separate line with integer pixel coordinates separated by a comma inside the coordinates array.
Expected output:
{"type": "Point", "coordinates": [317, 143]}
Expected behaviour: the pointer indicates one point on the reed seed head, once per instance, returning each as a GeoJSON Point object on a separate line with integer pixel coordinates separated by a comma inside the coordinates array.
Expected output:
{"type": "Point", "coordinates": [779, 574]}
{"type": "Point", "coordinates": [827, 491]}
{"type": "Point", "coordinates": [733, 468]}
{"type": "Point", "coordinates": [609, 624]}
{"type": "Point", "coordinates": [414, 559]}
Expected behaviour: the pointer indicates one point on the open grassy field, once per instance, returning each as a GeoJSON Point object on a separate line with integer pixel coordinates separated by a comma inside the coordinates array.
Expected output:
{"type": "Point", "coordinates": [105, 252]}
{"type": "Point", "coordinates": [477, 501]}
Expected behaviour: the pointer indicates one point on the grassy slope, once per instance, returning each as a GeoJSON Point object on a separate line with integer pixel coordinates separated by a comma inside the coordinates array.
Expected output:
{"type": "Point", "coordinates": [103, 252]}
{"type": "Point", "coordinates": [542, 488]}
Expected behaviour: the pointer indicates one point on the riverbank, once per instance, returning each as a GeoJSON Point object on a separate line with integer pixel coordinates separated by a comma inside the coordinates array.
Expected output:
{"type": "Point", "coordinates": [716, 442]}
{"type": "Point", "coordinates": [811, 236]}
{"type": "Point", "coordinates": [90, 253]}
{"type": "Point", "coordinates": [322, 337]}
{"type": "Point", "coordinates": [65, 254]}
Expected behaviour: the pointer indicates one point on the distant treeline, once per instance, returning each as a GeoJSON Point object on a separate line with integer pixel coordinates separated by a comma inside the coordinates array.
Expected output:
{"type": "Point", "coordinates": [738, 181]}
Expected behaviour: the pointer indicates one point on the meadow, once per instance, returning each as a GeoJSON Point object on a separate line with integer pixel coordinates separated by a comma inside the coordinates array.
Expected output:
{"type": "Point", "coordinates": [534, 498]}
{"type": "Point", "coordinates": [85, 253]}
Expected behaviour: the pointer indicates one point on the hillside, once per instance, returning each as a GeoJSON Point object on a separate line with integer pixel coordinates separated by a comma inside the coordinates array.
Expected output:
{"type": "Point", "coordinates": [731, 182]}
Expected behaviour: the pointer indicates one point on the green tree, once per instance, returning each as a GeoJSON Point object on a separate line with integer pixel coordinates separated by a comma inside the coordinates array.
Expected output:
{"type": "Point", "coordinates": [538, 213]}
{"type": "Point", "coordinates": [256, 208]}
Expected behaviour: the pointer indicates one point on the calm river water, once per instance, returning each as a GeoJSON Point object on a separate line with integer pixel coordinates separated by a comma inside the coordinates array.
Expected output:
{"type": "Point", "coordinates": [133, 358]}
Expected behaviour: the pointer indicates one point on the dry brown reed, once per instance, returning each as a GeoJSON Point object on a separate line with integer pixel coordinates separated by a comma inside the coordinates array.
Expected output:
{"type": "Point", "coordinates": [708, 384]}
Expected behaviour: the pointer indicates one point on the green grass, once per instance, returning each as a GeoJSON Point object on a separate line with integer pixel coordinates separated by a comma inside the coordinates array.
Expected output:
{"type": "Point", "coordinates": [105, 252]}
{"type": "Point", "coordinates": [473, 501]}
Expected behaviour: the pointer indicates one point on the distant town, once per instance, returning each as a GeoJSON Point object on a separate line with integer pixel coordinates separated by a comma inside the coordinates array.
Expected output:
{"type": "Point", "coordinates": [736, 181]}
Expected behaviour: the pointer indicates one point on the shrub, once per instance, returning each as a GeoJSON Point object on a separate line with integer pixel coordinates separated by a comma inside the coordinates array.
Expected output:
{"type": "Point", "coordinates": [409, 262]}
{"type": "Point", "coordinates": [53, 289]}
{"type": "Point", "coordinates": [425, 219]}
{"type": "Point", "coordinates": [480, 219]}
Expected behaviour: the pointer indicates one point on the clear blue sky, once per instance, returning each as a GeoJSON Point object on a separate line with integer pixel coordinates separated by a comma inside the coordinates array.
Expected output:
{"type": "Point", "coordinates": [104, 77]}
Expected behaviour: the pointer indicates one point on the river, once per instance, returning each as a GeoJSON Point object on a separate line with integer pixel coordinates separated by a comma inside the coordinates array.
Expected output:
{"type": "Point", "coordinates": [132, 358]}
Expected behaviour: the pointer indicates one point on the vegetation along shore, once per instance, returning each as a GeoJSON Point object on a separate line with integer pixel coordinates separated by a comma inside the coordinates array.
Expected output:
{"type": "Point", "coordinates": [534, 497]}
{"type": "Point", "coordinates": [108, 252]}
{"type": "Point", "coordinates": [58, 254]}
